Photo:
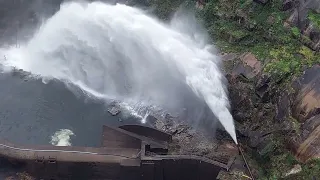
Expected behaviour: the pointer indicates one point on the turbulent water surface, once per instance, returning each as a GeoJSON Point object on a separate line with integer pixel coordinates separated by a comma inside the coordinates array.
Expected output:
{"type": "Point", "coordinates": [32, 112]}
{"type": "Point", "coordinates": [119, 52]}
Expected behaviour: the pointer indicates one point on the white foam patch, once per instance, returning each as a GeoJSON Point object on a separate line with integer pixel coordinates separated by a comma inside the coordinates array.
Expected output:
{"type": "Point", "coordinates": [62, 138]}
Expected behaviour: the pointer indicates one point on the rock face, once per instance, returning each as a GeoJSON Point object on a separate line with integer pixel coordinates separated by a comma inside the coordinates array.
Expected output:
{"type": "Point", "coordinates": [262, 109]}
{"type": "Point", "coordinates": [249, 67]}
{"type": "Point", "coordinates": [306, 147]}
{"type": "Point", "coordinates": [299, 18]}
{"type": "Point", "coordinates": [307, 110]}
{"type": "Point", "coordinates": [189, 141]}
{"type": "Point", "coordinates": [307, 103]}
{"type": "Point", "coordinates": [249, 92]}
{"type": "Point", "coordinates": [114, 110]}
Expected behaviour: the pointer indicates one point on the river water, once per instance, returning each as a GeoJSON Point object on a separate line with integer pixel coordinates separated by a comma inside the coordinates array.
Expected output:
{"type": "Point", "coordinates": [107, 52]}
{"type": "Point", "coordinates": [31, 112]}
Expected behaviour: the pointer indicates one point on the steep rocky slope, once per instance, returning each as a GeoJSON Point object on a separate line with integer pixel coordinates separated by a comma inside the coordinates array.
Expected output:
{"type": "Point", "coordinates": [270, 50]}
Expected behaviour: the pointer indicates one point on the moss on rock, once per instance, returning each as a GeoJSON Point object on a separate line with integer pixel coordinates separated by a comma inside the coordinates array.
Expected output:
{"type": "Point", "coordinates": [240, 26]}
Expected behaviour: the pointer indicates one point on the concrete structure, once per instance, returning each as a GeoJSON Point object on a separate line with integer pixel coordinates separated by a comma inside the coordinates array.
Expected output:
{"type": "Point", "coordinates": [130, 152]}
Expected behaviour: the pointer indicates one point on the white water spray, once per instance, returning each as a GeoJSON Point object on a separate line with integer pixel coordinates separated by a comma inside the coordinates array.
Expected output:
{"type": "Point", "coordinates": [116, 51]}
{"type": "Point", "coordinates": [62, 137]}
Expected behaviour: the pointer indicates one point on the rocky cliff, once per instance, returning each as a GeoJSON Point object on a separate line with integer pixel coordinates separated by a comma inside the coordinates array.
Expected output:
{"type": "Point", "coordinates": [274, 90]}
{"type": "Point", "coordinates": [270, 49]}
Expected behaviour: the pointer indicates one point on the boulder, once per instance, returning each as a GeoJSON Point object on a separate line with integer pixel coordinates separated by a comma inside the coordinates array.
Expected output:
{"type": "Point", "coordinates": [249, 66]}
{"type": "Point", "coordinates": [247, 86]}
{"type": "Point", "coordinates": [307, 102]}
{"type": "Point", "coordinates": [306, 146]}
{"type": "Point", "coordinates": [313, 33]}
{"type": "Point", "coordinates": [306, 109]}
{"type": "Point", "coordinates": [263, 86]}
{"type": "Point", "coordinates": [293, 19]}
{"type": "Point", "coordinates": [299, 18]}
{"type": "Point", "coordinates": [283, 110]}
{"type": "Point", "coordinates": [114, 109]}
{"type": "Point", "coordinates": [187, 140]}
{"type": "Point", "coordinates": [311, 37]}
{"type": "Point", "coordinates": [288, 4]}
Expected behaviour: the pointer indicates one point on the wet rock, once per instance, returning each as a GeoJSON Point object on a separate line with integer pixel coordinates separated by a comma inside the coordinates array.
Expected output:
{"type": "Point", "coordinates": [307, 103]}
{"type": "Point", "coordinates": [114, 109]}
{"type": "Point", "coordinates": [189, 141]}
{"type": "Point", "coordinates": [263, 87]}
{"type": "Point", "coordinates": [240, 116]}
{"type": "Point", "coordinates": [247, 108]}
{"type": "Point", "coordinates": [306, 146]}
{"type": "Point", "coordinates": [249, 66]}
{"type": "Point", "coordinates": [283, 110]}
{"type": "Point", "coordinates": [151, 119]}
{"type": "Point", "coordinates": [241, 98]}
{"type": "Point", "coordinates": [312, 32]}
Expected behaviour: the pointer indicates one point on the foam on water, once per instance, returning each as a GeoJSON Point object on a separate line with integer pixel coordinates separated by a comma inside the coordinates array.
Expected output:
{"type": "Point", "coordinates": [62, 137]}
{"type": "Point", "coordinates": [119, 52]}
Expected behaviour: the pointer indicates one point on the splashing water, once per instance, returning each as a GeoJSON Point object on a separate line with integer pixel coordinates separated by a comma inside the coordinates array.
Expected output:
{"type": "Point", "coordinates": [61, 137]}
{"type": "Point", "coordinates": [119, 52]}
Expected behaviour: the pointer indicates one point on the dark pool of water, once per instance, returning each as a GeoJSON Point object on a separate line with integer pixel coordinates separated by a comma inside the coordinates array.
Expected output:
{"type": "Point", "coordinates": [31, 112]}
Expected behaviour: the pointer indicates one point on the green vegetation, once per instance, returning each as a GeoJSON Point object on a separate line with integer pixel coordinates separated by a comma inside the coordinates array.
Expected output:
{"type": "Point", "coordinates": [245, 26]}
{"type": "Point", "coordinates": [309, 170]}
{"type": "Point", "coordinates": [275, 161]}
{"type": "Point", "coordinates": [314, 18]}
{"type": "Point", "coordinates": [295, 31]}
{"type": "Point", "coordinates": [164, 8]}
{"type": "Point", "coordinates": [281, 164]}
{"type": "Point", "coordinates": [241, 25]}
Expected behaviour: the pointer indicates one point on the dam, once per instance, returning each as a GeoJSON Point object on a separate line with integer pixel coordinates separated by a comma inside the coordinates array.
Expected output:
{"type": "Point", "coordinates": [127, 152]}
